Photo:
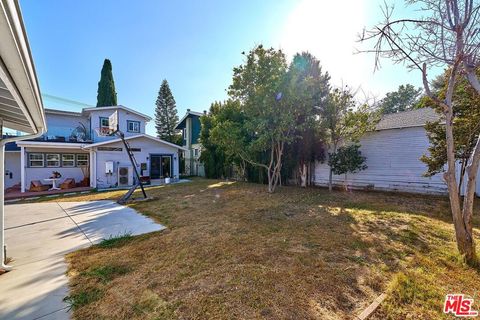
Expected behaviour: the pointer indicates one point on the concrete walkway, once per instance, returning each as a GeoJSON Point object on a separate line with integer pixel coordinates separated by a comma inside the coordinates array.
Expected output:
{"type": "Point", "coordinates": [38, 235]}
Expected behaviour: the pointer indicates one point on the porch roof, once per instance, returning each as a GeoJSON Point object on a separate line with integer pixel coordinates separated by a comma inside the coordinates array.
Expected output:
{"type": "Point", "coordinates": [21, 106]}
{"type": "Point", "coordinates": [54, 145]}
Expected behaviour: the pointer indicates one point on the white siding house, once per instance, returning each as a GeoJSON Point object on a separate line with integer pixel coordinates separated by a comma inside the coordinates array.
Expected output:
{"type": "Point", "coordinates": [393, 154]}
{"type": "Point", "coordinates": [83, 157]}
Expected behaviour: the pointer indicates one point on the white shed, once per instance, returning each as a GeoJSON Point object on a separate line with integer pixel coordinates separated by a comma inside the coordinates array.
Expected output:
{"type": "Point", "coordinates": [393, 154]}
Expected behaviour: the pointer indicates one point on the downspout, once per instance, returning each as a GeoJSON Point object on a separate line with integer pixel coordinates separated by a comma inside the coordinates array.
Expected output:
{"type": "Point", "coordinates": [3, 142]}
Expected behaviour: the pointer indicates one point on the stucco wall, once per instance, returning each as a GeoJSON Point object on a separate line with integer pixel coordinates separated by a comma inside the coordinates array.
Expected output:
{"type": "Point", "coordinates": [147, 147]}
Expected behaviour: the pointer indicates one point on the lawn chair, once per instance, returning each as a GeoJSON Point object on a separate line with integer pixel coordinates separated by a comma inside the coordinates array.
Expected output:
{"type": "Point", "coordinates": [37, 185]}
{"type": "Point", "coordinates": [69, 183]}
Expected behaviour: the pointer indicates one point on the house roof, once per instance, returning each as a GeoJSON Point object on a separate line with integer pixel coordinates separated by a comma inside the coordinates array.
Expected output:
{"type": "Point", "coordinates": [63, 112]}
{"type": "Point", "coordinates": [88, 110]}
{"type": "Point", "coordinates": [21, 106]}
{"type": "Point", "coordinates": [143, 135]}
{"type": "Point", "coordinates": [407, 119]}
{"type": "Point", "coordinates": [181, 123]}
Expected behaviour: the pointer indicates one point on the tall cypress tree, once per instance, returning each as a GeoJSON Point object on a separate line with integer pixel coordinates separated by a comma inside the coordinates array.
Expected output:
{"type": "Point", "coordinates": [166, 114]}
{"type": "Point", "coordinates": [106, 95]}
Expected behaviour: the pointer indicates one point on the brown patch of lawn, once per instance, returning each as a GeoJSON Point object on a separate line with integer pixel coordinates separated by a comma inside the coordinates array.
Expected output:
{"type": "Point", "coordinates": [233, 251]}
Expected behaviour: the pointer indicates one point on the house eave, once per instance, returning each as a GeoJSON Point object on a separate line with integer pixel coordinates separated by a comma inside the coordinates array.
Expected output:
{"type": "Point", "coordinates": [21, 106]}
{"type": "Point", "coordinates": [53, 145]}
{"type": "Point", "coordinates": [99, 144]}
{"type": "Point", "coordinates": [144, 116]}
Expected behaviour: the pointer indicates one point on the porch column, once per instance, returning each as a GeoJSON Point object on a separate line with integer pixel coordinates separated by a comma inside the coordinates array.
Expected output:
{"type": "Point", "coordinates": [22, 169]}
{"type": "Point", "coordinates": [93, 169]}
{"type": "Point", "coordinates": [2, 207]}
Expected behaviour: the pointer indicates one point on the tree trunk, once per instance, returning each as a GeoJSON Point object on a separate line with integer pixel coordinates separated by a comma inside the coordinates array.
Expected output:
{"type": "Point", "coordinates": [464, 238]}
{"type": "Point", "coordinates": [303, 175]}
{"type": "Point", "coordinates": [330, 172]}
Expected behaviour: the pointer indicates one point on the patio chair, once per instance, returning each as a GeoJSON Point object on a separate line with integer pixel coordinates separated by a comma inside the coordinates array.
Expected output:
{"type": "Point", "coordinates": [37, 185]}
{"type": "Point", "coordinates": [69, 183]}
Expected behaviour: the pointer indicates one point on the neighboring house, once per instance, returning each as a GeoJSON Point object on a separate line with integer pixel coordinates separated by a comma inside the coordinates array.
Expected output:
{"type": "Point", "coordinates": [393, 154]}
{"type": "Point", "coordinates": [191, 126]}
{"type": "Point", "coordinates": [77, 146]}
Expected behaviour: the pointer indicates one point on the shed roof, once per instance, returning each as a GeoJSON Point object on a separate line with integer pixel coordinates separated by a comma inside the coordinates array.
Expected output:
{"type": "Point", "coordinates": [408, 119]}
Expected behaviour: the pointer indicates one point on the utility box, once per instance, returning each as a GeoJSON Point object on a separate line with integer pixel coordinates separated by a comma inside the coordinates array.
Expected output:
{"type": "Point", "coordinates": [109, 167]}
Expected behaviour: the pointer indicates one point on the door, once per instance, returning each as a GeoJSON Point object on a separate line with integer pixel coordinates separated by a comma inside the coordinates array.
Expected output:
{"type": "Point", "coordinates": [166, 166]}
{"type": "Point", "coordinates": [155, 168]}
{"type": "Point", "coordinates": [160, 166]}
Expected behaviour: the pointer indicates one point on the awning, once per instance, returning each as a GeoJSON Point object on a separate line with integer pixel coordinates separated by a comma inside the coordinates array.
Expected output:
{"type": "Point", "coordinates": [21, 105]}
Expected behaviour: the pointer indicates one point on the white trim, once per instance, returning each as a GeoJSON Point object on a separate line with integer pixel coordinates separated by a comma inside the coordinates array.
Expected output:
{"type": "Point", "coordinates": [22, 169]}
{"type": "Point", "coordinates": [195, 113]}
{"type": "Point", "coordinates": [54, 145]}
{"type": "Point", "coordinates": [143, 135]}
{"type": "Point", "coordinates": [63, 112]}
{"type": "Point", "coordinates": [88, 110]}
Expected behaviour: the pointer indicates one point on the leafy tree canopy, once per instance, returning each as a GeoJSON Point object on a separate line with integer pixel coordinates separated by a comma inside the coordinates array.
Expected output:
{"type": "Point", "coordinates": [347, 159]}
{"type": "Point", "coordinates": [405, 98]}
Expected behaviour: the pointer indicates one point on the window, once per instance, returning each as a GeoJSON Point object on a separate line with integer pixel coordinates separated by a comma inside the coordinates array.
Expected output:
{"type": "Point", "coordinates": [103, 122]}
{"type": "Point", "coordinates": [35, 160]}
{"type": "Point", "coordinates": [68, 160]}
{"type": "Point", "coordinates": [133, 126]}
{"type": "Point", "coordinates": [195, 152]}
{"type": "Point", "coordinates": [53, 160]}
{"type": "Point", "coordinates": [82, 160]}
{"type": "Point", "coordinates": [136, 149]}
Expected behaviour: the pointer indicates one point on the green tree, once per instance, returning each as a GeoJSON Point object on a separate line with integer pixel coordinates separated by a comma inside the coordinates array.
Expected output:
{"type": "Point", "coordinates": [217, 161]}
{"type": "Point", "coordinates": [166, 117]}
{"type": "Point", "coordinates": [405, 98]}
{"type": "Point", "coordinates": [106, 95]}
{"type": "Point", "coordinates": [347, 159]}
{"type": "Point", "coordinates": [466, 129]}
{"type": "Point", "coordinates": [268, 120]}
{"type": "Point", "coordinates": [308, 88]}
{"type": "Point", "coordinates": [344, 121]}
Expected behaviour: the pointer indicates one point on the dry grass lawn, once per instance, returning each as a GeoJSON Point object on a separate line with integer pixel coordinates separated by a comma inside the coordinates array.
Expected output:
{"type": "Point", "coordinates": [232, 251]}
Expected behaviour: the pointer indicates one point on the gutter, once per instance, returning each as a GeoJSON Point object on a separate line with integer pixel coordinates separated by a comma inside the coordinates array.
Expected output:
{"type": "Point", "coordinates": [3, 142]}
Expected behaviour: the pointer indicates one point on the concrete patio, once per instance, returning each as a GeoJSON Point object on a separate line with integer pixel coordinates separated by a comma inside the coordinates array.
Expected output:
{"type": "Point", "coordinates": [38, 235]}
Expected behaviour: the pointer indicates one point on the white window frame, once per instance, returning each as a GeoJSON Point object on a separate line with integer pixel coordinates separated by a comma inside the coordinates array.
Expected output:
{"type": "Point", "coordinates": [30, 160]}
{"type": "Point", "coordinates": [57, 161]}
{"type": "Point", "coordinates": [135, 128]}
{"type": "Point", "coordinates": [71, 162]}
{"type": "Point", "coordinates": [82, 162]}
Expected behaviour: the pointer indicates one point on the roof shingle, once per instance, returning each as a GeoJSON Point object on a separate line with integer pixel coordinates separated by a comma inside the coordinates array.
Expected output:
{"type": "Point", "coordinates": [407, 119]}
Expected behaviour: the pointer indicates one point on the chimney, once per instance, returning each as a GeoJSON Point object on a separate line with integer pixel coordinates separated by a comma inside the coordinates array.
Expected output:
{"type": "Point", "coordinates": [188, 110]}
{"type": "Point", "coordinates": [205, 112]}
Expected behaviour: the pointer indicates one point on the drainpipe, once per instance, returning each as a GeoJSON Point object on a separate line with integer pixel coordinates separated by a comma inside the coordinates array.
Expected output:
{"type": "Point", "coordinates": [3, 142]}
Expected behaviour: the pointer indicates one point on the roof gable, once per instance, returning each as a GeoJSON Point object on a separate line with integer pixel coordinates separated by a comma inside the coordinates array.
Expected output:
{"type": "Point", "coordinates": [135, 137]}
{"type": "Point", "coordinates": [408, 119]}
{"type": "Point", "coordinates": [93, 109]}
{"type": "Point", "coordinates": [181, 123]}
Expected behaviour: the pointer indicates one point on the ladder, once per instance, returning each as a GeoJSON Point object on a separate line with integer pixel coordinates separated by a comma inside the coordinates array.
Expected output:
{"type": "Point", "coordinates": [138, 183]}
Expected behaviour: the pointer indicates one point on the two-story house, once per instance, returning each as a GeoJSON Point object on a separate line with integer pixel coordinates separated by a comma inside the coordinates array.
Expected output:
{"type": "Point", "coordinates": [191, 126]}
{"type": "Point", "coordinates": [76, 145]}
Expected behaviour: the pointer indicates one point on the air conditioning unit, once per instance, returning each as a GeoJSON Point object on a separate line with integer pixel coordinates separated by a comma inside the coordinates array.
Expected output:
{"type": "Point", "coordinates": [125, 176]}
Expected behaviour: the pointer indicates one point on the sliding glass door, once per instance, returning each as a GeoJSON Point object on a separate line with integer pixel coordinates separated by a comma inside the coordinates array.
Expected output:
{"type": "Point", "coordinates": [160, 166]}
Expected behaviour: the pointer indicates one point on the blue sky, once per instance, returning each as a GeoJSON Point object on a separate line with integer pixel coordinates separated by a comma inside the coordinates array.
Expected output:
{"type": "Point", "coordinates": [192, 44]}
